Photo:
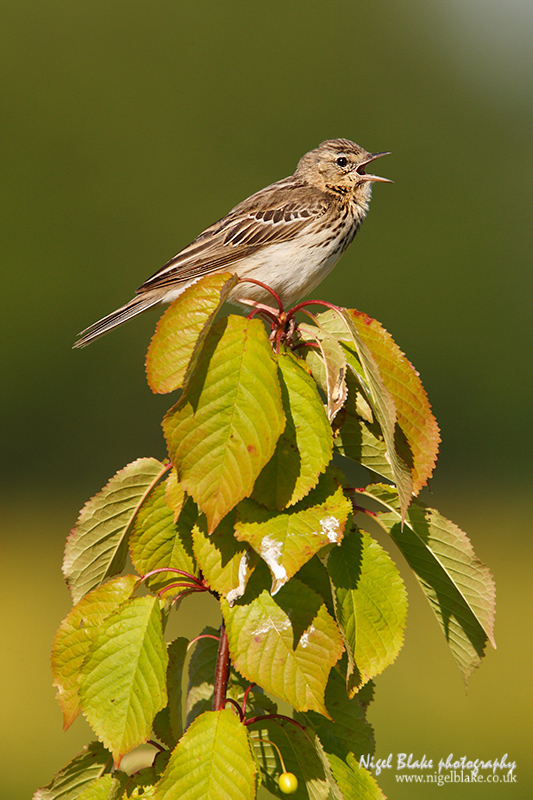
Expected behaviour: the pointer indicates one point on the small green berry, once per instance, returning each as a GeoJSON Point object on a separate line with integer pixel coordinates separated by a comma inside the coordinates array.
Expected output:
{"type": "Point", "coordinates": [288, 782]}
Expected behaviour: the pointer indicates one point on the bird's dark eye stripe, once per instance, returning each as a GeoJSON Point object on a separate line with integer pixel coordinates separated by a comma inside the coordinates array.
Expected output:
{"type": "Point", "coordinates": [342, 161]}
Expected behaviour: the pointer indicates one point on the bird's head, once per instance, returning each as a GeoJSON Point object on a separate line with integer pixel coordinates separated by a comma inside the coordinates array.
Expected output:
{"type": "Point", "coordinates": [339, 165]}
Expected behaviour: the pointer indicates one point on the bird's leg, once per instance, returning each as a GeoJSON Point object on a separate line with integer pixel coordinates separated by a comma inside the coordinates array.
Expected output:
{"type": "Point", "coordinates": [258, 308]}
{"type": "Point", "coordinates": [290, 329]}
{"type": "Point", "coordinates": [268, 289]}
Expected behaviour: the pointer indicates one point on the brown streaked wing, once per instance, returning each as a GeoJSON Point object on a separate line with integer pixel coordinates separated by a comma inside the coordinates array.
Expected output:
{"type": "Point", "coordinates": [271, 216]}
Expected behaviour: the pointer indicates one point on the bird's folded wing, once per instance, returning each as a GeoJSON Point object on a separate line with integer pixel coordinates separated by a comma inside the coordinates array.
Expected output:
{"type": "Point", "coordinates": [270, 217]}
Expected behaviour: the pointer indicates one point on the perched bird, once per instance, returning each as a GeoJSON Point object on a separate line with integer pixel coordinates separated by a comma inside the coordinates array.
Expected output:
{"type": "Point", "coordinates": [288, 235]}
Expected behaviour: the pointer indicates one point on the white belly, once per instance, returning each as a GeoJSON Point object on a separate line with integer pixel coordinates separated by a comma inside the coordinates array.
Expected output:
{"type": "Point", "coordinates": [292, 269]}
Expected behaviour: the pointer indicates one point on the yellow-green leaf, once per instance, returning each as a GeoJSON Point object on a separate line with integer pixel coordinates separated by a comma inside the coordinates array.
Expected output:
{"type": "Point", "coordinates": [460, 589]}
{"type": "Point", "coordinates": [370, 605]}
{"type": "Point", "coordinates": [347, 731]}
{"type": "Point", "coordinates": [174, 494]}
{"type": "Point", "coordinates": [226, 563]}
{"type": "Point", "coordinates": [182, 329]}
{"type": "Point", "coordinates": [412, 405]}
{"type": "Point", "coordinates": [123, 678]}
{"type": "Point", "coordinates": [285, 540]}
{"type": "Point", "coordinates": [74, 637]}
{"type": "Point", "coordinates": [97, 546]}
{"type": "Point", "coordinates": [377, 393]}
{"type": "Point", "coordinates": [101, 789]}
{"type": "Point", "coordinates": [355, 782]}
{"type": "Point", "coordinates": [287, 644]}
{"type": "Point", "coordinates": [168, 723]}
{"type": "Point", "coordinates": [212, 761]}
{"type": "Point", "coordinates": [300, 757]}
{"type": "Point", "coordinates": [328, 365]}
{"type": "Point", "coordinates": [224, 428]}
{"type": "Point", "coordinates": [78, 774]}
{"type": "Point", "coordinates": [157, 541]}
{"type": "Point", "coordinates": [304, 448]}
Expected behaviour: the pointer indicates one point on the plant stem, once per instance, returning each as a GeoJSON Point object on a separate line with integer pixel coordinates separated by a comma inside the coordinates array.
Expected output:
{"type": "Point", "coordinates": [261, 739]}
{"type": "Point", "coordinates": [202, 636]}
{"type": "Point", "coordinates": [245, 698]}
{"type": "Point", "coordinates": [237, 706]}
{"type": "Point", "coordinates": [187, 575]}
{"type": "Point", "coordinates": [274, 294]}
{"type": "Point", "coordinates": [222, 671]}
{"type": "Point", "coordinates": [276, 717]}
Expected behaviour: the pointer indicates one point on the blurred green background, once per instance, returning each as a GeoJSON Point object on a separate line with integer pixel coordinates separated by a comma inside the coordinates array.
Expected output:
{"type": "Point", "coordinates": [128, 127]}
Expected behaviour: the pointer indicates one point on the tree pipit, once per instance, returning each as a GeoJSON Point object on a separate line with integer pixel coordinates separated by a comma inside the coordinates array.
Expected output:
{"type": "Point", "coordinates": [288, 236]}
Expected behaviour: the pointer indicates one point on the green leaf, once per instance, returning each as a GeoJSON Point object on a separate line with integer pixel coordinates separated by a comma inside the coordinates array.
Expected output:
{"type": "Point", "coordinates": [304, 448]}
{"type": "Point", "coordinates": [141, 784]}
{"type": "Point", "coordinates": [358, 436]}
{"type": "Point", "coordinates": [74, 637]}
{"type": "Point", "coordinates": [224, 428]}
{"type": "Point", "coordinates": [286, 644]}
{"type": "Point", "coordinates": [226, 564]}
{"type": "Point", "coordinates": [212, 761]}
{"type": "Point", "coordinates": [414, 414]}
{"type": "Point", "coordinates": [103, 788]}
{"type": "Point", "coordinates": [412, 405]}
{"type": "Point", "coordinates": [174, 494]}
{"type": "Point", "coordinates": [300, 757]}
{"type": "Point", "coordinates": [157, 541]}
{"type": "Point", "coordinates": [348, 730]}
{"type": "Point", "coordinates": [286, 540]}
{"type": "Point", "coordinates": [335, 792]}
{"type": "Point", "coordinates": [201, 675]}
{"type": "Point", "coordinates": [328, 366]}
{"type": "Point", "coordinates": [137, 791]}
{"type": "Point", "coordinates": [97, 546]}
{"type": "Point", "coordinates": [342, 325]}
{"type": "Point", "coordinates": [458, 586]}
{"type": "Point", "coordinates": [84, 769]}
{"type": "Point", "coordinates": [370, 605]}
{"type": "Point", "coordinates": [182, 329]}
{"type": "Point", "coordinates": [168, 723]}
{"type": "Point", "coordinates": [122, 684]}
{"type": "Point", "coordinates": [315, 575]}
{"type": "Point", "coordinates": [354, 780]}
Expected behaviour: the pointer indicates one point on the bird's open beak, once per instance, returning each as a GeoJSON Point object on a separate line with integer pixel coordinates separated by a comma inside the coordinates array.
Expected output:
{"type": "Point", "coordinates": [365, 176]}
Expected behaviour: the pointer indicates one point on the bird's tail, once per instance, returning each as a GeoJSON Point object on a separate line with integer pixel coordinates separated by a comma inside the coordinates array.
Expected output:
{"type": "Point", "coordinates": [137, 305]}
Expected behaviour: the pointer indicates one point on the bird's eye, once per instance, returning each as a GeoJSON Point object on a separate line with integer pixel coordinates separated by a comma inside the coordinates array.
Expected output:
{"type": "Point", "coordinates": [342, 161]}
